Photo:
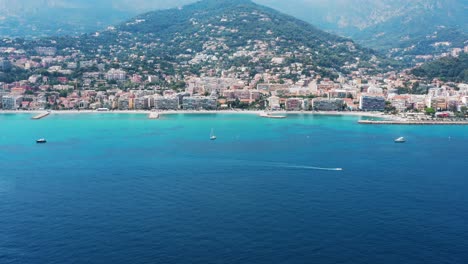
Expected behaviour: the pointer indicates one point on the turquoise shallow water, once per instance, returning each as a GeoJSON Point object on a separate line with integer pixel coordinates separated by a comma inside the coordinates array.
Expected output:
{"type": "Point", "coordinates": [113, 188]}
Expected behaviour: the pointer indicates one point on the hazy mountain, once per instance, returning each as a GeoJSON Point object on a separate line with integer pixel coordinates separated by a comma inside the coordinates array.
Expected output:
{"type": "Point", "coordinates": [350, 16]}
{"type": "Point", "coordinates": [29, 18]}
{"type": "Point", "coordinates": [387, 24]}
{"type": "Point", "coordinates": [25, 7]}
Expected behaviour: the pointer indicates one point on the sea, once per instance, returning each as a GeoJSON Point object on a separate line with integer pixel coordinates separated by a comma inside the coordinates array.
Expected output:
{"type": "Point", "coordinates": [120, 188]}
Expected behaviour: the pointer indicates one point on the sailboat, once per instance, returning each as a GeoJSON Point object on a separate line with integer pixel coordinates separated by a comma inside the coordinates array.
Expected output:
{"type": "Point", "coordinates": [212, 135]}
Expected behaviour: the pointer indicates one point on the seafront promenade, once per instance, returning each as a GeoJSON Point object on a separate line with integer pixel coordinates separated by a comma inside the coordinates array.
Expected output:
{"type": "Point", "coordinates": [383, 119]}
{"type": "Point", "coordinates": [411, 122]}
{"type": "Point", "coordinates": [164, 112]}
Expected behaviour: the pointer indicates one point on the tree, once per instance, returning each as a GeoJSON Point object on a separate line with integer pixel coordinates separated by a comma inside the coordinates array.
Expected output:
{"type": "Point", "coordinates": [430, 111]}
{"type": "Point", "coordinates": [63, 93]}
{"type": "Point", "coordinates": [389, 108]}
{"type": "Point", "coordinates": [464, 110]}
{"type": "Point", "coordinates": [462, 113]}
{"type": "Point", "coordinates": [452, 108]}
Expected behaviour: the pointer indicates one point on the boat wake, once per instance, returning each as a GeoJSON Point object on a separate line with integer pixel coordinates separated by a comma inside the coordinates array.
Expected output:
{"type": "Point", "coordinates": [290, 166]}
{"type": "Point", "coordinates": [312, 168]}
{"type": "Point", "coordinates": [277, 165]}
{"type": "Point", "coordinates": [293, 166]}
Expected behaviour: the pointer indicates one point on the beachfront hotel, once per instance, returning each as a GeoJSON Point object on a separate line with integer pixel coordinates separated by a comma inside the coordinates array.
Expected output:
{"type": "Point", "coordinates": [372, 103]}
{"type": "Point", "coordinates": [326, 104]}
{"type": "Point", "coordinates": [199, 102]}
{"type": "Point", "coordinates": [11, 102]}
{"type": "Point", "coordinates": [166, 103]}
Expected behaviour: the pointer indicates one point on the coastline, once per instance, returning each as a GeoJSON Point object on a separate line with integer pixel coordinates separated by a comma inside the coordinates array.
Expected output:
{"type": "Point", "coordinates": [175, 112]}
{"type": "Point", "coordinates": [384, 119]}
{"type": "Point", "coordinates": [412, 122]}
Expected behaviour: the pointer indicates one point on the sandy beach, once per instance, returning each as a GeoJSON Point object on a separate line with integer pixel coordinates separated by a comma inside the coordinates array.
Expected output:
{"type": "Point", "coordinates": [381, 118]}
{"type": "Point", "coordinates": [164, 112]}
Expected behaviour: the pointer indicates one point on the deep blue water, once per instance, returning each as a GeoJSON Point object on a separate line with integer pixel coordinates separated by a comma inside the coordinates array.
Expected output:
{"type": "Point", "coordinates": [124, 189]}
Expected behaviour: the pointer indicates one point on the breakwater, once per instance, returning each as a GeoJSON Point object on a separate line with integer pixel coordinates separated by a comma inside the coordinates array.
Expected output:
{"type": "Point", "coordinates": [40, 116]}
{"type": "Point", "coordinates": [153, 115]}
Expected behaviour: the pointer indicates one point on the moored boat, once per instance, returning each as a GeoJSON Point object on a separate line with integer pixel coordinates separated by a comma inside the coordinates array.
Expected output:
{"type": "Point", "coordinates": [212, 135]}
{"type": "Point", "coordinates": [41, 141]}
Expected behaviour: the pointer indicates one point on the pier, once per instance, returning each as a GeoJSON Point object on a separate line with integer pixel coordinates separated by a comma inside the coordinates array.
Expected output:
{"type": "Point", "coordinates": [40, 116]}
{"type": "Point", "coordinates": [411, 122]}
{"type": "Point", "coordinates": [153, 115]}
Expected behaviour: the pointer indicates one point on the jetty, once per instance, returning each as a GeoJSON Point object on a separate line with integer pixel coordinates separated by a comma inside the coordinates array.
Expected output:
{"type": "Point", "coordinates": [411, 122]}
{"type": "Point", "coordinates": [40, 116]}
{"type": "Point", "coordinates": [153, 115]}
{"type": "Point", "coordinates": [269, 115]}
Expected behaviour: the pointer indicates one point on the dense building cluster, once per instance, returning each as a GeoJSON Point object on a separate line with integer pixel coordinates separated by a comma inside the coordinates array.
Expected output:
{"type": "Point", "coordinates": [121, 70]}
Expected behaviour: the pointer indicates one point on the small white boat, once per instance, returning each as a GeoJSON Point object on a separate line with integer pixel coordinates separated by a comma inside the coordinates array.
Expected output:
{"type": "Point", "coordinates": [400, 140]}
{"type": "Point", "coordinates": [41, 141]}
{"type": "Point", "coordinates": [212, 135]}
{"type": "Point", "coordinates": [269, 115]}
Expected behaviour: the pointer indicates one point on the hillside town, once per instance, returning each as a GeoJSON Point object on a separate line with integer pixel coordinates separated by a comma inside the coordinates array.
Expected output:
{"type": "Point", "coordinates": [75, 82]}
{"type": "Point", "coordinates": [217, 62]}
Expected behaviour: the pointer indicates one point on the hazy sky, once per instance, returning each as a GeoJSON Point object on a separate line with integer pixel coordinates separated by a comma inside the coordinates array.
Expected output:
{"type": "Point", "coordinates": [323, 13]}
{"type": "Point", "coordinates": [139, 5]}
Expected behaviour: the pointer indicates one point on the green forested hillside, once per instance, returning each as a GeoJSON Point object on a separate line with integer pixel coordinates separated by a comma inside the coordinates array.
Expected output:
{"type": "Point", "coordinates": [448, 68]}
{"type": "Point", "coordinates": [240, 23]}
{"type": "Point", "coordinates": [220, 35]}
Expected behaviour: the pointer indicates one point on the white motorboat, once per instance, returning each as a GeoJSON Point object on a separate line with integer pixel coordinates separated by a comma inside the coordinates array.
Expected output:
{"type": "Point", "coordinates": [400, 140]}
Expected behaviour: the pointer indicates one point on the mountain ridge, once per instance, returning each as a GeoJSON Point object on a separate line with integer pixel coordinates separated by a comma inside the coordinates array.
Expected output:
{"type": "Point", "coordinates": [217, 35]}
{"type": "Point", "coordinates": [399, 28]}
{"type": "Point", "coordinates": [219, 12]}
{"type": "Point", "coordinates": [387, 25]}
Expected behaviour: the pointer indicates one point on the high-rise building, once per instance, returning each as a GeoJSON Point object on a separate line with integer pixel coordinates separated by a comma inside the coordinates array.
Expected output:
{"type": "Point", "coordinates": [325, 104]}
{"type": "Point", "coordinates": [294, 104]}
{"type": "Point", "coordinates": [274, 102]}
{"type": "Point", "coordinates": [116, 74]}
{"type": "Point", "coordinates": [372, 103]}
{"type": "Point", "coordinates": [47, 51]}
{"type": "Point", "coordinates": [199, 102]}
{"type": "Point", "coordinates": [5, 64]}
{"type": "Point", "coordinates": [11, 102]}
{"type": "Point", "coordinates": [166, 103]}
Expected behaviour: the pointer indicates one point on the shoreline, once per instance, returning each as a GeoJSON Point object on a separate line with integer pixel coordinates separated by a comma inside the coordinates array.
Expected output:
{"type": "Point", "coordinates": [175, 112]}
{"type": "Point", "coordinates": [386, 118]}
{"type": "Point", "coordinates": [412, 122]}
